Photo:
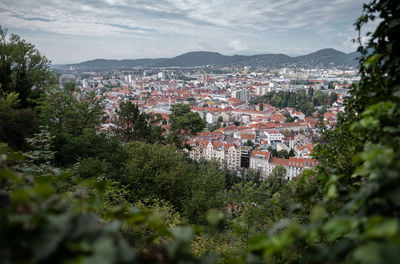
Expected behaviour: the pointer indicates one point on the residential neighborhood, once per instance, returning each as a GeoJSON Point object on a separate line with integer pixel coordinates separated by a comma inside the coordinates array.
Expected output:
{"type": "Point", "coordinates": [245, 127]}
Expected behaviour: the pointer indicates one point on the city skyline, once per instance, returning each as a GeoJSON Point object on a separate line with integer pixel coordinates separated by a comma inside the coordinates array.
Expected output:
{"type": "Point", "coordinates": [68, 32]}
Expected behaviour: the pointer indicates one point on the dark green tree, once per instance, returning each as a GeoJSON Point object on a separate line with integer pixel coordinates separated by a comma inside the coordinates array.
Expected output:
{"type": "Point", "coordinates": [249, 143]}
{"type": "Point", "coordinates": [15, 124]}
{"type": "Point", "coordinates": [283, 153]}
{"type": "Point", "coordinates": [183, 123]}
{"type": "Point", "coordinates": [161, 171]}
{"type": "Point", "coordinates": [310, 92]}
{"type": "Point", "coordinates": [130, 124]}
{"type": "Point", "coordinates": [291, 153]}
{"type": "Point", "coordinates": [23, 70]}
{"type": "Point", "coordinates": [74, 118]}
{"type": "Point", "coordinates": [277, 179]}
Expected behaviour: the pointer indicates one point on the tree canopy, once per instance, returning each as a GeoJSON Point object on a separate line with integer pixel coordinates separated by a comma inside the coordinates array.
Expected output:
{"type": "Point", "coordinates": [130, 124]}
{"type": "Point", "coordinates": [23, 70]}
{"type": "Point", "coordinates": [183, 122]}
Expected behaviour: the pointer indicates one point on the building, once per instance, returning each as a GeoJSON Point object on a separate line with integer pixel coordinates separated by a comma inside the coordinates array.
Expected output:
{"type": "Point", "coordinates": [245, 153]}
{"type": "Point", "coordinates": [243, 95]}
{"type": "Point", "coordinates": [259, 161]}
{"type": "Point", "coordinates": [212, 117]}
{"type": "Point", "coordinates": [265, 163]}
{"type": "Point", "coordinates": [225, 154]}
{"type": "Point", "coordinates": [273, 135]}
{"type": "Point", "coordinates": [206, 78]}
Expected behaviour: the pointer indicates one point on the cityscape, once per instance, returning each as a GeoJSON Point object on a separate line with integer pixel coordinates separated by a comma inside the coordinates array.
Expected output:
{"type": "Point", "coordinates": [199, 132]}
{"type": "Point", "coordinates": [240, 130]}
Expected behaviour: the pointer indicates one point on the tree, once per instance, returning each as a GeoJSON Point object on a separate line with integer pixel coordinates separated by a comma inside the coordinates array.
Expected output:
{"type": "Point", "coordinates": [15, 124]}
{"type": "Point", "coordinates": [207, 188]}
{"type": "Point", "coordinates": [332, 98]}
{"type": "Point", "coordinates": [183, 122]}
{"type": "Point", "coordinates": [283, 153]}
{"type": "Point", "coordinates": [23, 70]}
{"type": "Point", "coordinates": [310, 92]}
{"type": "Point", "coordinates": [251, 175]}
{"type": "Point", "coordinates": [291, 153]}
{"type": "Point", "coordinates": [162, 172]}
{"type": "Point", "coordinates": [288, 118]}
{"type": "Point", "coordinates": [356, 218]}
{"type": "Point", "coordinates": [130, 124]}
{"type": "Point", "coordinates": [249, 143]}
{"type": "Point", "coordinates": [42, 223]}
{"type": "Point", "coordinates": [321, 113]}
{"type": "Point", "coordinates": [74, 117]}
{"type": "Point", "coordinates": [277, 178]}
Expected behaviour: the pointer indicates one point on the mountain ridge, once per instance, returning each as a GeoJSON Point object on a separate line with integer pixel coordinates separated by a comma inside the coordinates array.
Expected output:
{"type": "Point", "coordinates": [323, 57]}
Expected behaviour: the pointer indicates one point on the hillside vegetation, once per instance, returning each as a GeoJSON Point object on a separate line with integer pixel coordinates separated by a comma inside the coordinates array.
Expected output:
{"type": "Point", "coordinates": [70, 193]}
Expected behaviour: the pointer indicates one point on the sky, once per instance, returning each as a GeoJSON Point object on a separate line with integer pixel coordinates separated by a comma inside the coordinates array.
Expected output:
{"type": "Point", "coordinates": [70, 31]}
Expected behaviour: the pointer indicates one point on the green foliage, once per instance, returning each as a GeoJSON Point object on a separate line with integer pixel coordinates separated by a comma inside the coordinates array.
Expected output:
{"type": "Point", "coordinates": [300, 100]}
{"type": "Point", "coordinates": [39, 226]}
{"type": "Point", "coordinates": [74, 117]}
{"type": "Point", "coordinates": [281, 153]}
{"type": "Point", "coordinates": [69, 110]}
{"type": "Point", "coordinates": [249, 143]}
{"type": "Point", "coordinates": [206, 192]}
{"type": "Point", "coordinates": [346, 211]}
{"type": "Point", "coordinates": [157, 171]}
{"type": "Point", "coordinates": [15, 124]}
{"type": "Point", "coordinates": [355, 217]}
{"type": "Point", "coordinates": [288, 118]}
{"type": "Point", "coordinates": [277, 178]}
{"type": "Point", "coordinates": [38, 160]}
{"type": "Point", "coordinates": [43, 224]}
{"type": "Point", "coordinates": [183, 122]}
{"type": "Point", "coordinates": [23, 70]}
{"type": "Point", "coordinates": [131, 125]}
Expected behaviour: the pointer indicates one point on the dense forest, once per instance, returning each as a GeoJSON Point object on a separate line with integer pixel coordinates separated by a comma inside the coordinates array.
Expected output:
{"type": "Point", "coordinates": [73, 193]}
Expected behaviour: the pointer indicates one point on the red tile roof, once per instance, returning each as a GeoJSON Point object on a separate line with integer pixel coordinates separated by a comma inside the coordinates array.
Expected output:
{"type": "Point", "coordinates": [266, 155]}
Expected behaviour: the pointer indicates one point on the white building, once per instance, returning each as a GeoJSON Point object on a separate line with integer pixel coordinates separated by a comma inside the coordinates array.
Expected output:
{"type": "Point", "coordinates": [273, 135]}
{"type": "Point", "coordinates": [243, 95]}
{"type": "Point", "coordinates": [212, 117]}
{"type": "Point", "coordinates": [265, 163]}
{"type": "Point", "coordinates": [225, 154]}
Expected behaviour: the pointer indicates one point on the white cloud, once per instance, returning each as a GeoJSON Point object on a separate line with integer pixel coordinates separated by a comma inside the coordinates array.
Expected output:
{"type": "Point", "coordinates": [223, 25]}
{"type": "Point", "coordinates": [236, 45]}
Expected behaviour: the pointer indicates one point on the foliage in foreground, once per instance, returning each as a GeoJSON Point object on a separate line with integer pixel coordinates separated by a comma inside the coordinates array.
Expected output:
{"type": "Point", "coordinates": [357, 218]}
{"type": "Point", "coordinates": [345, 212]}
{"type": "Point", "coordinates": [46, 220]}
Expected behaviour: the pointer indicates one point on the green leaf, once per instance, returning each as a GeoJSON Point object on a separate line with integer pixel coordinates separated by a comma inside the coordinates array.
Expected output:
{"type": "Point", "coordinates": [379, 227]}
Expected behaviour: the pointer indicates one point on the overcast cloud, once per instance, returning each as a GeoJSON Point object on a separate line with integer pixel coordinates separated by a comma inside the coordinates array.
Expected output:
{"type": "Point", "coordinates": [72, 31]}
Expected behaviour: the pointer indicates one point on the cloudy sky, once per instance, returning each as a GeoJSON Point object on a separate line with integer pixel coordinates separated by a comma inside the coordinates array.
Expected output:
{"type": "Point", "coordinates": [69, 31]}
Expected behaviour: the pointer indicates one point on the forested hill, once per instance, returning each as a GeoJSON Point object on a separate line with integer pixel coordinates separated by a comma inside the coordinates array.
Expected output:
{"type": "Point", "coordinates": [324, 57]}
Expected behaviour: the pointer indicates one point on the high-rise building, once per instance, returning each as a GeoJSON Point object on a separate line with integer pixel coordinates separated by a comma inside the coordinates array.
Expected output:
{"type": "Point", "coordinates": [243, 95]}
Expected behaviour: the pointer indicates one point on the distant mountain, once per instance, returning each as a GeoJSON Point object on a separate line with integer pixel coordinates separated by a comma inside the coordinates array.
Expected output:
{"type": "Point", "coordinates": [324, 57]}
{"type": "Point", "coordinates": [99, 64]}
{"type": "Point", "coordinates": [196, 58]}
